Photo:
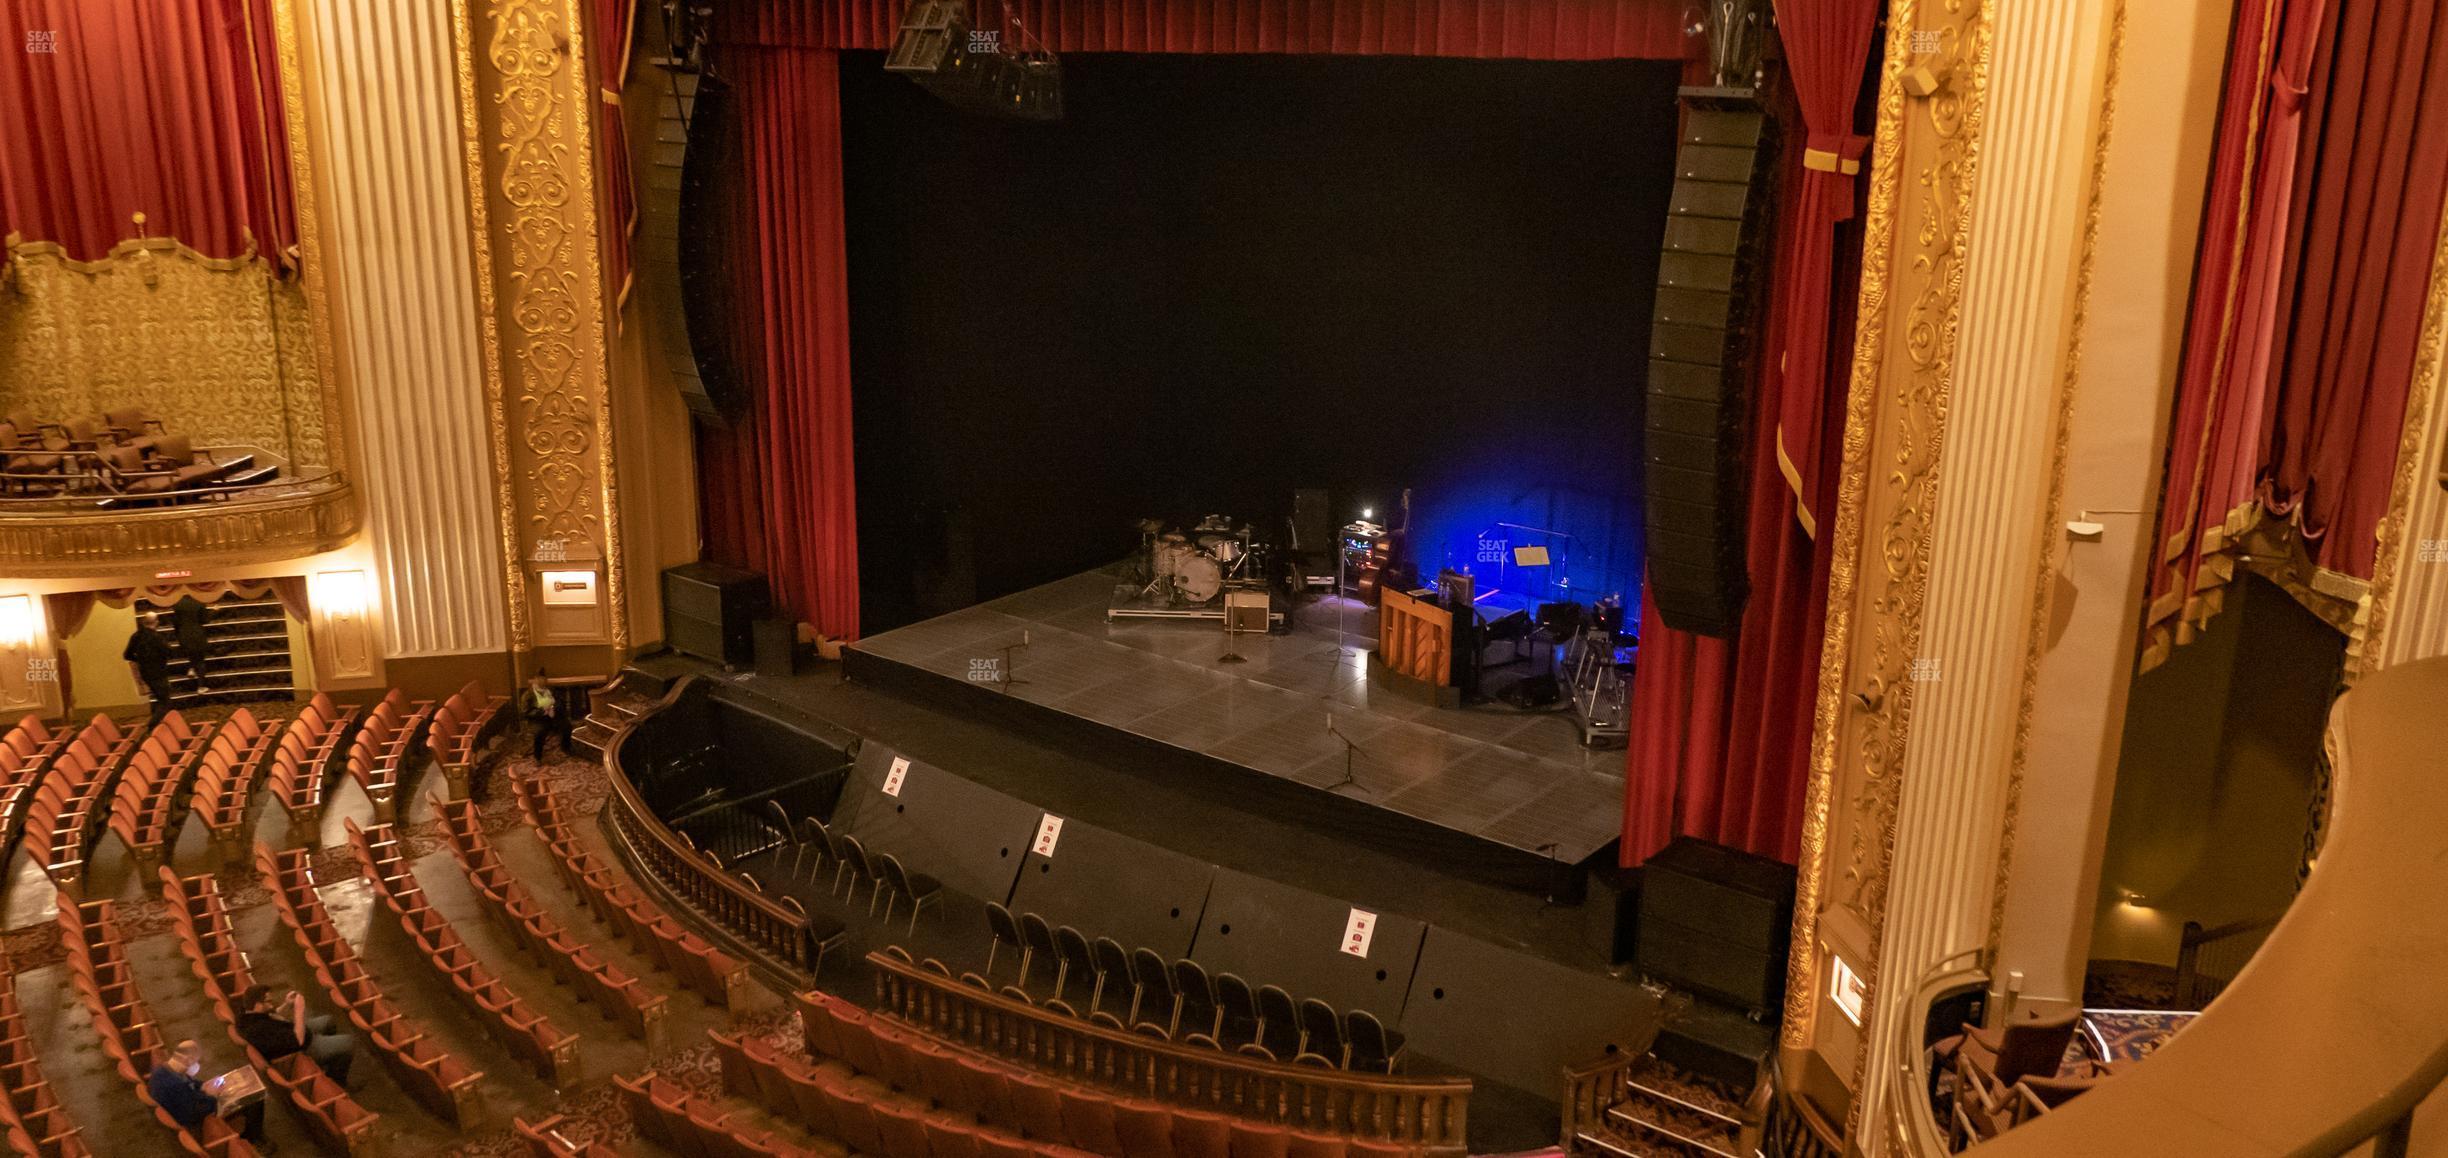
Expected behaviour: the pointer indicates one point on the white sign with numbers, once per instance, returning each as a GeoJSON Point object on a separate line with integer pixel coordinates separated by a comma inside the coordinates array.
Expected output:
{"type": "Point", "coordinates": [1358, 931]}
{"type": "Point", "coordinates": [1048, 831]}
{"type": "Point", "coordinates": [893, 777]}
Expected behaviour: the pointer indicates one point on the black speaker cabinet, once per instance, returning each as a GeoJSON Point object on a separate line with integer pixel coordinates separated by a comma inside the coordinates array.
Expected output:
{"type": "Point", "coordinates": [1715, 920]}
{"type": "Point", "coordinates": [707, 610]}
{"type": "Point", "coordinates": [1701, 345]}
{"type": "Point", "coordinates": [1610, 913]}
{"type": "Point", "coordinates": [777, 647]}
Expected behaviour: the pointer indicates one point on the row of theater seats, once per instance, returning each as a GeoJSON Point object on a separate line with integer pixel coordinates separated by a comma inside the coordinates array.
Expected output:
{"type": "Point", "coordinates": [384, 749]}
{"type": "Point", "coordinates": [1218, 1011]}
{"type": "Point", "coordinates": [126, 452]}
{"type": "Point", "coordinates": [714, 974]}
{"type": "Point", "coordinates": [68, 805]}
{"type": "Point", "coordinates": [623, 998]}
{"type": "Point", "coordinates": [972, 1089]}
{"type": "Point", "coordinates": [31, 1113]}
{"type": "Point", "coordinates": [98, 968]}
{"type": "Point", "coordinates": [669, 1116]}
{"type": "Point", "coordinates": [302, 763]}
{"type": "Point", "coordinates": [143, 809]}
{"type": "Point", "coordinates": [551, 1051]}
{"type": "Point", "coordinates": [461, 725]}
{"type": "Point", "coordinates": [439, 1081]}
{"type": "Point", "coordinates": [225, 779]}
{"type": "Point", "coordinates": [331, 1117]}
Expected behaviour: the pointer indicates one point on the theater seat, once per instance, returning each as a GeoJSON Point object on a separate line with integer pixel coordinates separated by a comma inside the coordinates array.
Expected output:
{"type": "Point", "coordinates": [1306, 1145]}
{"type": "Point", "coordinates": [1254, 1140]}
{"type": "Point", "coordinates": [949, 1137]}
{"type": "Point", "coordinates": [1199, 1134]}
{"type": "Point", "coordinates": [1088, 1122]}
{"type": "Point", "coordinates": [1144, 1128]}
{"type": "Point", "coordinates": [1039, 1106]}
{"type": "Point", "coordinates": [903, 1130]}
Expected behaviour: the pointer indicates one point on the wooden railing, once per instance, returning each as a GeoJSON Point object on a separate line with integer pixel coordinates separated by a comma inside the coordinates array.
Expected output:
{"type": "Point", "coordinates": [1431, 1113]}
{"type": "Point", "coordinates": [778, 930]}
{"type": "Point", "coordinates": [1589, 1089]}
{"type": "Point", "coordinates": [2207, 959]}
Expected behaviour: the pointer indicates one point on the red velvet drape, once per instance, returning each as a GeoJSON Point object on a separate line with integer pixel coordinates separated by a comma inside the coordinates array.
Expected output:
{"type": "Point", "coordinates": [1511, 29]}
{"type": "Point", "coordinates": [1721, 729]}
{"type": "Point", "coordinates": [114, 107]}
{"type": "Point", "coordinates": [777, 489]}
{"type": "Point", "coordinates": [2326, 188]}
{"type": "Point", "coordinates": [612, 22]}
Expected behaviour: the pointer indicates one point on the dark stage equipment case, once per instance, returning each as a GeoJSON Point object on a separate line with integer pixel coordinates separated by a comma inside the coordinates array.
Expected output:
{"type": "Point", "coordinates": [709, 610]}
{"type": "Point", "coordinates": [1716, 921]}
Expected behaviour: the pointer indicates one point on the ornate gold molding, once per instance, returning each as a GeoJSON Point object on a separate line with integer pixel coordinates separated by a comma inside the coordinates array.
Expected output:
{"type": "Point", "coordinates": [525, 100]}
{"type": "Point", "coordinates": [2052, 544]}
{"type": "Point", "coordinates": [2390, 559]}
{"type": "Point", "coordinates": [197, 536]}
{"type": "Point", "coordinates": [1928, 238]}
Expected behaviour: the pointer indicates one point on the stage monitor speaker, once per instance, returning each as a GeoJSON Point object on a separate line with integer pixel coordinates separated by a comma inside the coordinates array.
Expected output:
{"type": "Point", "coordinates": [1700, 360]}
{"type": "Point", "coordinates": [1610, 911]}
{"type": "Point", "coordinates": [777, 647]}
{"type": "Point", "coordinates": [1519, 1018]}
{"type": "Point", "coordinates": [1715, 920]}
{"type": "Point", "coordinates": [1313, 531]}
{"type": "Point", "coordinates": [707, 610]}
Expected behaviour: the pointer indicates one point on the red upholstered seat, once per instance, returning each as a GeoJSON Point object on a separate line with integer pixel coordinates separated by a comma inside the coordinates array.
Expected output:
{"type": "Point", "coordinates": [1038, 1104]}
{"type": "Point", "coordinates": [903, 1129]}
{"type": "Point", "coordinates": [1199, 1134]}
{"type": "Point", "coordinates": [854, 1123]}
{"type": "Point", "coordinates": [949, 1137]}
{"type": "Point", "coordinates": [1254, 1140]}
{"type": "Point", "coordinates": [1372, 1148]}
{"type": "Point", "coordinates": [1145, 1129]}
{"type": "Point", "coordinates": [1305, 1145]}
{"type": "Point", "coordinates": [945, 1083]}
{"type": "Point", "coordinates": [1000, 1146]}
{"type": "Point", "coordinates": [990, 1087]}
{"type": "Point", "coordinates": [1088, 1122]}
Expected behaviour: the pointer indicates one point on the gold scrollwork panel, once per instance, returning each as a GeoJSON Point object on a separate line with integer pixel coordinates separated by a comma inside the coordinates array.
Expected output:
{"type": "Point", "coordinates": [525, 102]}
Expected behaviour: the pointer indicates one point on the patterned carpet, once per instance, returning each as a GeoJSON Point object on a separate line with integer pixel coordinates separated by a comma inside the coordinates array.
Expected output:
{"type": "Point", "coordinates": [2134, 1034]}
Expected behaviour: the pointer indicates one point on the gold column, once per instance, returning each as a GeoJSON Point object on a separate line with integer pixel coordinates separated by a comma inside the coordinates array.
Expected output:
{"type": "Point", "coordinates": [526, 98]}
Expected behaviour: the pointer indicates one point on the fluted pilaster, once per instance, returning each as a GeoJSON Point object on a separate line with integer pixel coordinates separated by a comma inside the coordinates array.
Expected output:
{"type": "Point", "coordinates": [386, 124]}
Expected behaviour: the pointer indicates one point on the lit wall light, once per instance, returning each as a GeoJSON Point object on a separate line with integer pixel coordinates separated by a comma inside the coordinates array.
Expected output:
{"type": "Point", "coordinates": [17, 623]}
{"type": "Point", "coordinates": [340, 594]}
{"type": "Point", "coordinates": [1846, 989]}
{"type": "Point", "coordinates": [2132, 898]}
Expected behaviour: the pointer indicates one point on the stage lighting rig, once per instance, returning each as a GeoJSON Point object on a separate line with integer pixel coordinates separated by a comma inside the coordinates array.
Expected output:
{"type": "Point", "coordinates": [1004, 71]}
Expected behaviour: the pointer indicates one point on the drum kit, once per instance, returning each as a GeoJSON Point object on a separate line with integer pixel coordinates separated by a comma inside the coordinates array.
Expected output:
{"type": "Point", "coordinates": [1194, 566]}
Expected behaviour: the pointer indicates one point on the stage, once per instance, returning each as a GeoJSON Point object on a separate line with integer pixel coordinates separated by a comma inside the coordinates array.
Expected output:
{"type": "Point", "coordinates": [1503, 795]}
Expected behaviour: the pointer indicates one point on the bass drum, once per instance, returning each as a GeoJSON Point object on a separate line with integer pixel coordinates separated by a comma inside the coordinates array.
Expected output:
{"type": "Point", "coordinates": [1169, 555]}
{"type": "Point", "coordinates": [1198, 579]}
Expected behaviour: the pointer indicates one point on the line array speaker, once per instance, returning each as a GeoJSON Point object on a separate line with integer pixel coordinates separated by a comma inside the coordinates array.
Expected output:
{"type": "Point", "coordinates": [1700, 355]}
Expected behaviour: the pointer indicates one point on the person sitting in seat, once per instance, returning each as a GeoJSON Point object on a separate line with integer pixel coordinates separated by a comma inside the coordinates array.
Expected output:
{"type": "Point", "coordinates": [279, 1028]}
{"type": "Point", "coordinates": [543, 707]}
{"type": "Point", "coordinates": [177, 1086]}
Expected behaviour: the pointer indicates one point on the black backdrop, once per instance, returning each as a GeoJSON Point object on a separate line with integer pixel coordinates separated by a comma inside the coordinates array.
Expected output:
{"type": "Point", "coordinates": [1221, 277]}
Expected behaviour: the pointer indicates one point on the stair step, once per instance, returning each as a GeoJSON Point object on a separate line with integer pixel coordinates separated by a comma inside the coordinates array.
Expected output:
{"type": "Point", "coordinates": [1714, 1141]}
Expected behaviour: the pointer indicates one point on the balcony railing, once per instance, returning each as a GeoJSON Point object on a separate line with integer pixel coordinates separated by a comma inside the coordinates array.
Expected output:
{"type": "Point", "coordinates": [2327, 1041]}
{"type": "Point", "coordinates": [59, 537]}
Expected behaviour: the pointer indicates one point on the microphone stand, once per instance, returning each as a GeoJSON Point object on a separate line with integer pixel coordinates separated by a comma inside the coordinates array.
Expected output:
{"type": "Point", "coordinates": [1349, 780]}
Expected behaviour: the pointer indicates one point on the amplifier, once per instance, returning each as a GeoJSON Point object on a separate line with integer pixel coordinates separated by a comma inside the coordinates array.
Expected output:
{"type": "Point", "coordinates": [1716, 920]}
{"type": "Point", "coordinates": [1246, 611]}
{"type": "Point", "coordinates": [708, 610]}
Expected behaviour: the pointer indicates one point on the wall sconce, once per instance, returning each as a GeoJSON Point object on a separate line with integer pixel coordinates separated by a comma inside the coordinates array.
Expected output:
{"type": "Point", "coordinates": [17, 625]}
{"type": "Point", "coordinates": [339, 600]}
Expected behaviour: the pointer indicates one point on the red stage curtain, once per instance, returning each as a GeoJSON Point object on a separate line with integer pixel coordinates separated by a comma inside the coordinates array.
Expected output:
{"type": "Point", "coordinates": [1511, 29]}
{"type": "Point", "coordinates": [2325, 198]}
{"type": "Point", "coordinates": [777, 489]}
{"type": "Point", "coordinates": [612, 24]}
{"type": "Point", "coordinates": [124, 106]}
